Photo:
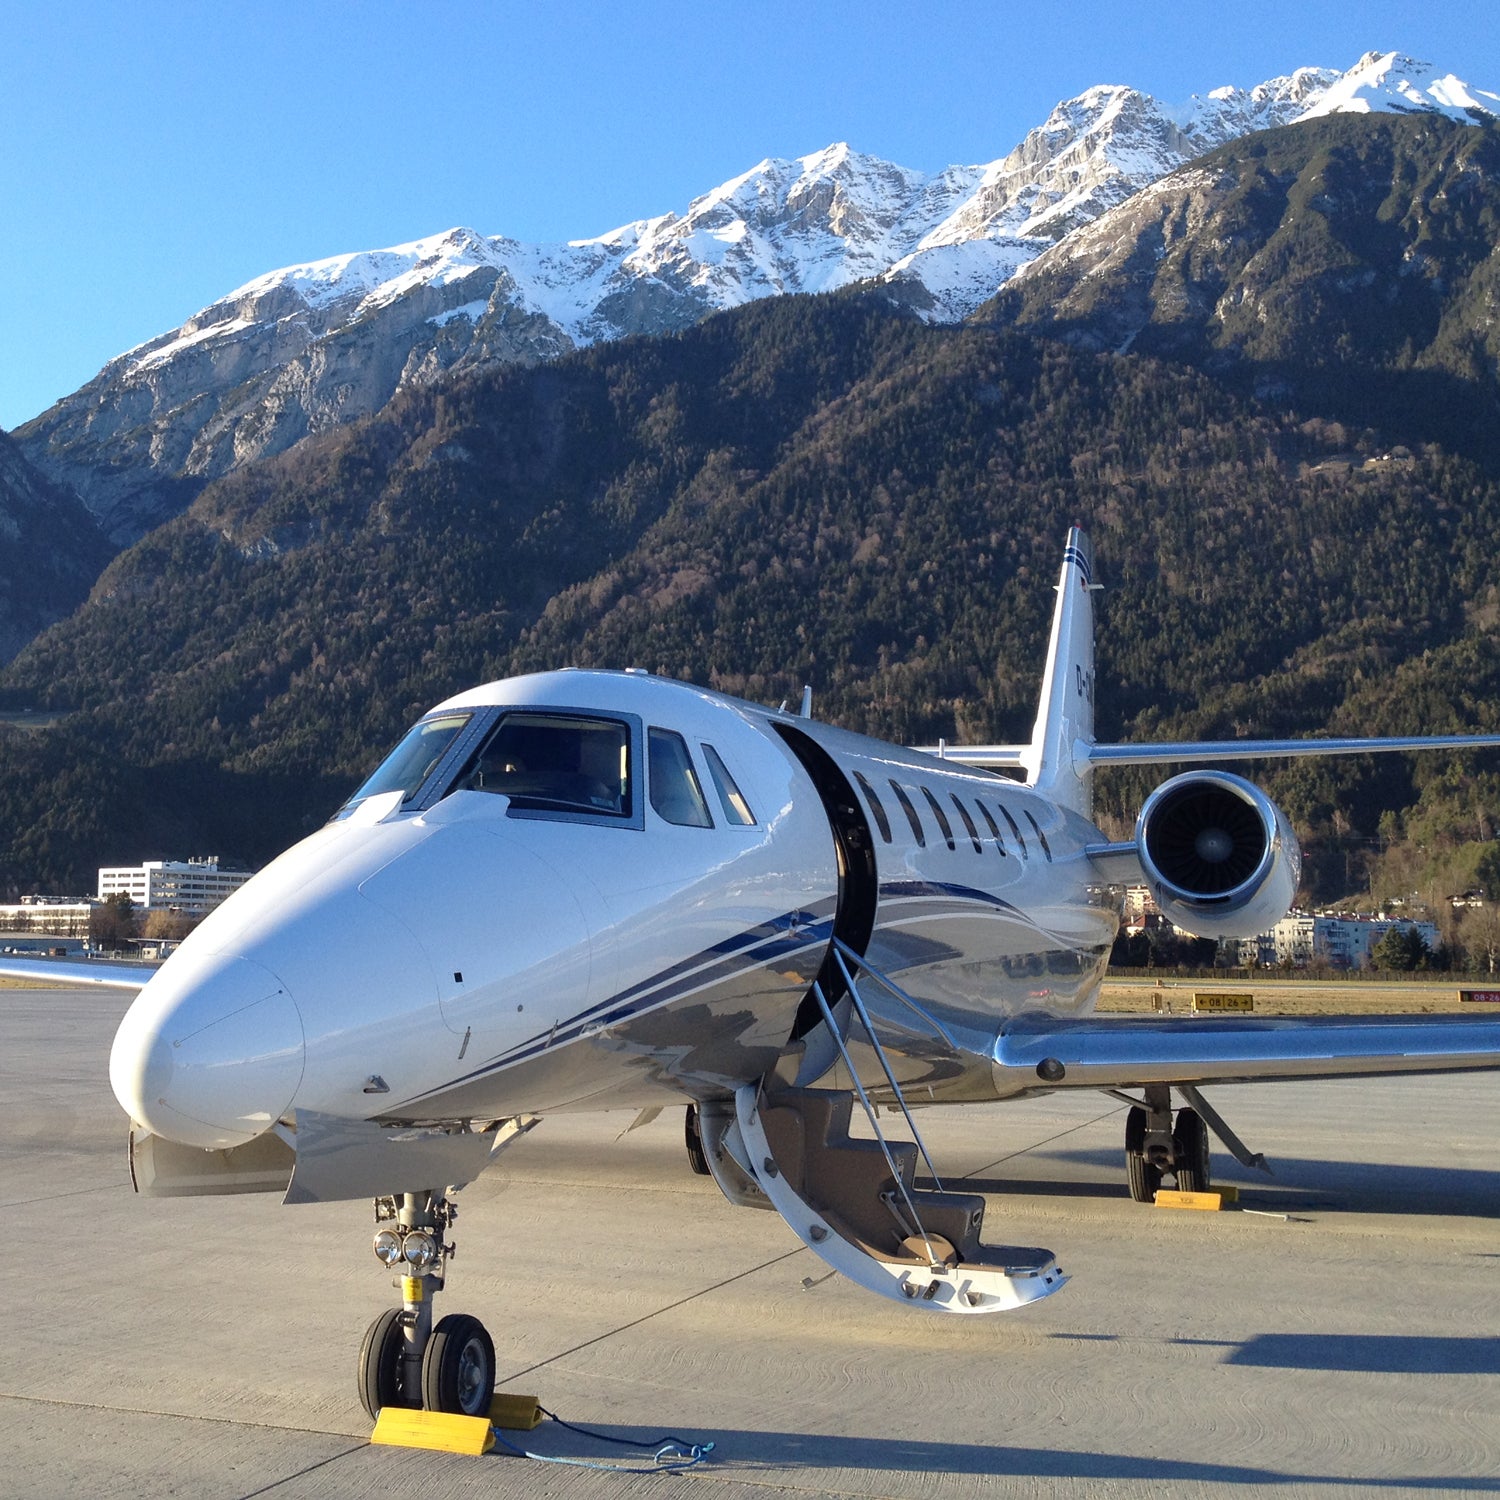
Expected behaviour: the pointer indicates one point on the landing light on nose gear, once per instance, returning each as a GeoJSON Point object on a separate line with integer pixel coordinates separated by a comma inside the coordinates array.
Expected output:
{"type": "Point", "coordinates": [404, 1360]}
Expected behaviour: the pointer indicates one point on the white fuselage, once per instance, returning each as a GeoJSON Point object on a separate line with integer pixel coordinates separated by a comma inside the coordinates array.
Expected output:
{"type": "Point", "coordinates": [483, 943]}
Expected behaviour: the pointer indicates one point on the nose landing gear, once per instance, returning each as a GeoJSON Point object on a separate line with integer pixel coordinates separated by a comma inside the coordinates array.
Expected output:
{"type": "Point", "coordinates": [404, 1360]}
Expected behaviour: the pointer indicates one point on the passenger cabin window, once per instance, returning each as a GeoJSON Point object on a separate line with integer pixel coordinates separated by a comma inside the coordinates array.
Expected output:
{"type": "Point", "coordinates": [882, 822]}
{"type": "Point", "coordinates": [984, 812]}
{"type": "Point", "coordinates": [731, 799]}
{"type": "Point", "coordinates": [675, 792]}
{"type": "Point", "coordinates": [973, 832]}
{"type": "Point", "coordinates": [942, 818]}
{"type": "Point", "coordinates": [911, 814]}
{"type": "Point", "coordinates": [1041, 837]}
{"type": "Point", "coordinates": [1015, 830]}
{"type": "Point", "coordinates": [412, 761]}
{"type": "Point", "coordinates": [555, 763]}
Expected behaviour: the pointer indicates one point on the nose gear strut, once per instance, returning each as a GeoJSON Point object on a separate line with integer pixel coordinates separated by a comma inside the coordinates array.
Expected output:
{"type": "Point", "coordinates": [404, 1360]}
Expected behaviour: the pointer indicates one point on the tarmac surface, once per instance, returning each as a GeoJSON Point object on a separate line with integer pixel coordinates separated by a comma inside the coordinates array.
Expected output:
{"type": "Point", "coordinates": [1342, 1339]}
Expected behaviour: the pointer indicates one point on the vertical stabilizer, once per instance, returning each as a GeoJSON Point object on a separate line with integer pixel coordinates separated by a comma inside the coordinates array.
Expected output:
{"type": "Point", "coordinates": [1057, 760]}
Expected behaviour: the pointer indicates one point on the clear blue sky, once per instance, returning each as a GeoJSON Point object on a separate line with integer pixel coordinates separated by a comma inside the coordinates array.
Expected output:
{"type": "Point", "coordinates": [158, 153]}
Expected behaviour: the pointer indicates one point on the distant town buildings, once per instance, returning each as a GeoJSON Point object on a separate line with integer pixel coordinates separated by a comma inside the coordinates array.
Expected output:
{"type": "Point", "coordinates": [1339, 942]}
{"type": "Point", "coordinates": [1300, 939]}
{"type": "Point", "coordinates": [40, 916]}
{"type": "Point", "coordinates": [183, 890]}
{"type": "Point", "coordinates": [191, 886]}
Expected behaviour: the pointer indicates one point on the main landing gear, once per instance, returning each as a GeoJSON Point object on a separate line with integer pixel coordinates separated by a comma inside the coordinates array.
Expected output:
{"type": "Point", "coordinates": [404, 1360]}
{"type": "Point", "coordinates": [1155, 1144]}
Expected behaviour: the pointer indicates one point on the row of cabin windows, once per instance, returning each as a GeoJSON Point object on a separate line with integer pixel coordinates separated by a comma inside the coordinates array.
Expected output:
{"type": "Point", "coordinates": [945, 823]}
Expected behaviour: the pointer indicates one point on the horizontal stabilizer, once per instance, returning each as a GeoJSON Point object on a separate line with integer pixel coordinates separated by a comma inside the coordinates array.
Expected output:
{"type": "Point", "coordinates": [1191, 751]}
{"type": "Point", "coordinates": [989, 757]}
{"type": "Point", "coordinates": [1194, 752]}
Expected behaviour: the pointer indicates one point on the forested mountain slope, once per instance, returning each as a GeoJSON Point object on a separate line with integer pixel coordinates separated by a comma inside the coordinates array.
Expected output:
{"type": "Point", "coordinates": [1349, 265]}
{"type": "Point", "coordinates": [805, 490]}
{"type": "Point", "coordinates": [50, 551]}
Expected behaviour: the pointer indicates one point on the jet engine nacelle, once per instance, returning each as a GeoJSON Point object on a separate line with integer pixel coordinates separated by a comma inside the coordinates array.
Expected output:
{"type": "Point", "coordinates": [1220, 858]}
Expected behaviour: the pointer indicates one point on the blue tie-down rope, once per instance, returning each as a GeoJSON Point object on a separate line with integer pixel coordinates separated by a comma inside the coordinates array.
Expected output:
{"type": "Point", "coordinates": [671, 1454]}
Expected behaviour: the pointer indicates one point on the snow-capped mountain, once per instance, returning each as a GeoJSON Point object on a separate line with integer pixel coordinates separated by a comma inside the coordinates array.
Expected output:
{"type": "Point", "coordinates": [313, 345]}
{"type": "Point", "coordinates": [1390, 83]}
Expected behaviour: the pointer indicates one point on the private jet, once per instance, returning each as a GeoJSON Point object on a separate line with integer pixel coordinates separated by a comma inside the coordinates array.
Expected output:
{"type": "Point", "coordinates": [596, 890]}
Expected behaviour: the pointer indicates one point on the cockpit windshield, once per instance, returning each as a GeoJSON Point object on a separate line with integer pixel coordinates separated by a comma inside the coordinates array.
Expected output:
{"type": "Point", "coordinates": [411, 762]}
{"type": "Point", "coordinates": [553, 762]}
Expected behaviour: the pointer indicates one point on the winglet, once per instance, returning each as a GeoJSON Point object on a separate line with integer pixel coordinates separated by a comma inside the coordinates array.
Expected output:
{"type": "Point", "coordinates": [1057, 759]}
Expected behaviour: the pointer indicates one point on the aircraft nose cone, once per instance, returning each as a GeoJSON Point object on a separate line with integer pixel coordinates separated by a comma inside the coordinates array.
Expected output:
{"type": "Point", "coordinates": [211, 1053]}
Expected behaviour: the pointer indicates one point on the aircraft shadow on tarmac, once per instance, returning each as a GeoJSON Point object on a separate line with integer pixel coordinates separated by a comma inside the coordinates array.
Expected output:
{"type": "Point", "coordinates": [1368, 1353]}
{"type": "Point", "coordinates": [1298, 1184]}
{"type": "Point", "coordinates": [741, 1452]}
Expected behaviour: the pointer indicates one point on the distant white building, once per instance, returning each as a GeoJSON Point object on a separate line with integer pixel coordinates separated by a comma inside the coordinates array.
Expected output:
{"type": "Point", "coordinates": [1340, 942]}
{"type": "Point", "coordinates": [44, 918]}
{"type": "Point", "coordinates": [1294, 939]}
{"type": "Point", "coordinates": [1346, 942]}
{"type": "Point", "coordinates": [193, 886]}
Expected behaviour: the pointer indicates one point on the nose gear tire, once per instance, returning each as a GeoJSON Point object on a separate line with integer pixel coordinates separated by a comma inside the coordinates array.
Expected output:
{"type": "Point", "coordinates": [458, 1367]}
{"type": "Point", "coordinates": [380, 1363]}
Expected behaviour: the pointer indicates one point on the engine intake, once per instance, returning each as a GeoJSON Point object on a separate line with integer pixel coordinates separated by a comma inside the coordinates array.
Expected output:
{"type": "Point", "coordinates": [1220, 858]}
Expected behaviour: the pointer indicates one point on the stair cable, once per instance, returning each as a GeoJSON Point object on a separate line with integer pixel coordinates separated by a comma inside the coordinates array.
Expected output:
{"type": "Point", "coordinates": [890, 1077]}
{"type": "Point", "coordinates": [861, 962]}
{"type": "Point", "coordinates": [932, 1256]}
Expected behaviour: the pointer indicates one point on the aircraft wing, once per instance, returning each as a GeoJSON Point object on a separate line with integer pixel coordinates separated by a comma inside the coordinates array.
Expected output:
{"type": "Point", "coordinates": [1034, 1053]}
{"type": "Point", "coordinates": [111, 976]}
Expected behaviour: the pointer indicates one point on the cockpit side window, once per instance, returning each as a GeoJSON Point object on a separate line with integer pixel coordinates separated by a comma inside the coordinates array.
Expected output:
{"type": "Point", "coordinates": [675, 792]}
{"type": "Point", "coordinates": [412, 761]}
{"type": "Point", "coordinates": [731, 799]}
{"type": "Point", "coordinates": [555, 763]}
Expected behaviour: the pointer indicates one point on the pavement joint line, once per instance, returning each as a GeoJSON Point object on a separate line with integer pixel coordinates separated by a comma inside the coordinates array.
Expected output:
{"type": "Point", "coordinates": [180, 1416]}
{"type": "Point", "coordinates": [104, 1187]}
{"type": "Point", "coordinates": [609, 1333]}
{"type": "Point", "coordinates": [1037, 1145]}
{"type": "Point", "coordinates": [322, 1463]}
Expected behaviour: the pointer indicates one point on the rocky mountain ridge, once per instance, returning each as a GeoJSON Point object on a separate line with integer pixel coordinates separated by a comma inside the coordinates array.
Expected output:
{"type": "Point", "coordinates": [307, 348]}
